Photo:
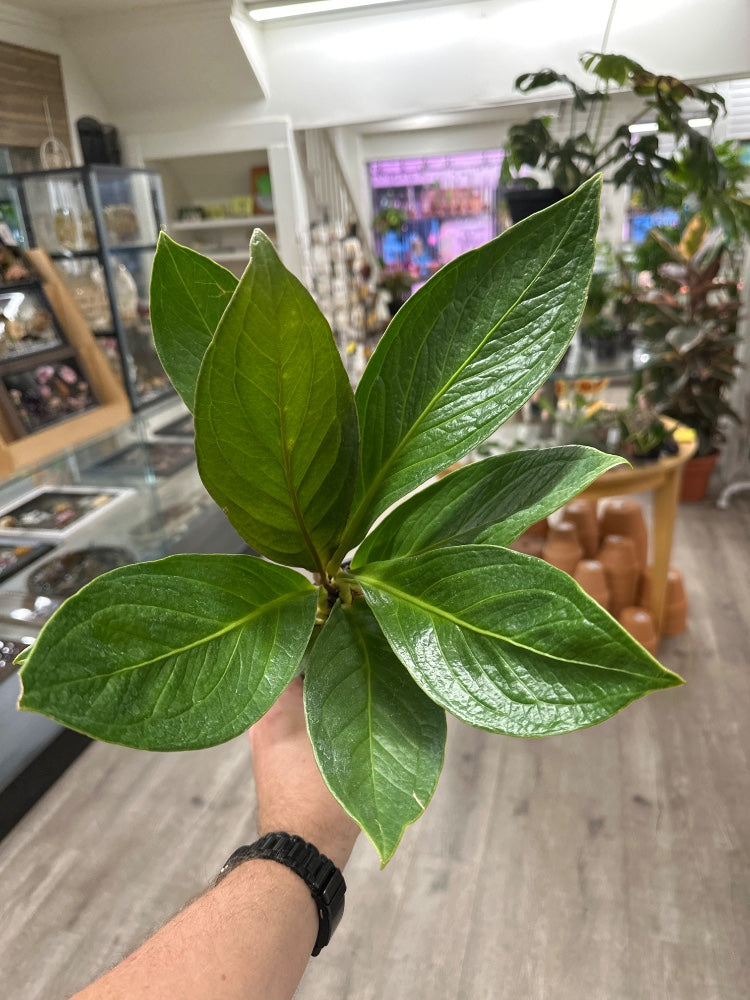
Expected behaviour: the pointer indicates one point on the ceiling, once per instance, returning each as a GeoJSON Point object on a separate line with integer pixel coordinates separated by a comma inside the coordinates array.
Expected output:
{"type": "Point", "coordinates": [169, 64]}
{"type": "Point", "coordinates": [141, 54]}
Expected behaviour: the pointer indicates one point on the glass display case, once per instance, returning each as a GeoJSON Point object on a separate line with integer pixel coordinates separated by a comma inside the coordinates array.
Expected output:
{"type": "Point", "coordinates": [129, 495]}
{"type": "Point", "coordinates": [42, 381]}
{"type": "Point", "coordinates": [100, 224]}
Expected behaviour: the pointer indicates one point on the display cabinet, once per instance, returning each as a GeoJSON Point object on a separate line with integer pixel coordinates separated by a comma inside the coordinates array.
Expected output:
{"type": "Point", "coordinates": [129, 495]}
{"type": "Point", "coordinates": [100, 224]}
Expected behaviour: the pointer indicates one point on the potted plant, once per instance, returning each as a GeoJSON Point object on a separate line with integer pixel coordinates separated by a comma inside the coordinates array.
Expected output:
{"type": "Point", "coordinates": [586, 144]}
{"type": "Point", "coordinates": [688, 317]}
{"type": "Point", "coordinates": [434, 612]}
{"type": "Point", "coordinates": [398, 285]}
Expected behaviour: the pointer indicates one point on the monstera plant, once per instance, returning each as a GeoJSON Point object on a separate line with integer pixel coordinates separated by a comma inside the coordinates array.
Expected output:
{"type": "Point", "coordinates": [434, 612]}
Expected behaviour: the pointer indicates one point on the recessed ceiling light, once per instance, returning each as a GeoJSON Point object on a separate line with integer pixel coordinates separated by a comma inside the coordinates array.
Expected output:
{"type": "Point", "coordinates": [699, 122]}
{"type": "Point", "coordinates": [275, 12]}
{"type": "Point", "coordinates": [643, 127]}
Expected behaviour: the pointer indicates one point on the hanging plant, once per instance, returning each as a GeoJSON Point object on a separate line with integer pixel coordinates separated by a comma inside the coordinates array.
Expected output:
{"type": "Point", "coordinates": [435, 613]}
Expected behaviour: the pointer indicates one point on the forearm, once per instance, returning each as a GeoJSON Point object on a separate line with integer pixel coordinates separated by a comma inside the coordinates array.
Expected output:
{"type": "Point", "coordinates": [249, 937]}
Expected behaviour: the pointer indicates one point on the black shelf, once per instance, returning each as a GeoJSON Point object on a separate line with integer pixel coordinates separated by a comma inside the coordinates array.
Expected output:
{"type": "Point", "coordinates": [120, 248]}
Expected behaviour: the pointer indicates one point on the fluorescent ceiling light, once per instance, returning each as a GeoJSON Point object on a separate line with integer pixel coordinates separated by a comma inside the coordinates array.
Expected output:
{"type": "Point", "coordinates": [279, 11]}
{"type": "Point", "coordinates": [643, 127]}
{"type": "Point", "coordinates": [699, 122]}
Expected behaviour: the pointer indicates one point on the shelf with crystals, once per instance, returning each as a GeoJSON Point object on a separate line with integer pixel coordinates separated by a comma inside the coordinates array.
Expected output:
{"type": "Point", "coordinates": [100, 225]}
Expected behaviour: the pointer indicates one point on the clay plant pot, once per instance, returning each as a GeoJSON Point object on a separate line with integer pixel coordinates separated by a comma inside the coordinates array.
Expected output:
{"type": "Point", "coordinates": [639, 623]}
{"type": "Point", "coordinates": [583, 515]}
{"type": "Point", "coordinates": [590, 576]}
{"type": "Point", "coordinates": [674, 618]}
{"type": "Point", "coordinates": [561, 547]}
{"type": "Point", "coordinates": [540, 528]}
{"type": "Point", "coordinates": [531, 544]}
{"type": "Point", "coordinates": [623, 516]}
{"type": "Point", "coordinates": [617, 556]}
{"type": "Point", "coordinates": [696, 474]}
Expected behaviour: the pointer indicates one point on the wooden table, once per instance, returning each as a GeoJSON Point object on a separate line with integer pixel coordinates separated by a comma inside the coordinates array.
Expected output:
{"type": "Point", "coordinates": [663, 479]}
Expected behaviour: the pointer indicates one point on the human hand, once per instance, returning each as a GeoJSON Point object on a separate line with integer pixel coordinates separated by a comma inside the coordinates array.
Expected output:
{"type": "Point", "coordinates": [292, 795]}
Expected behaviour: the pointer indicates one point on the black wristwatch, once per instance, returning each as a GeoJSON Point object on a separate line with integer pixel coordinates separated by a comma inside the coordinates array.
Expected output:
{"type": "Point", "coordinates": [322, 877]}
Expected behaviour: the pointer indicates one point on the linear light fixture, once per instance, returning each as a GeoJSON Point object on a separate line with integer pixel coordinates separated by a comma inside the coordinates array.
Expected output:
{"type": "Point", "coordinates": [653, 127]}
{"type": "Point", "coordinates": [275, 12]}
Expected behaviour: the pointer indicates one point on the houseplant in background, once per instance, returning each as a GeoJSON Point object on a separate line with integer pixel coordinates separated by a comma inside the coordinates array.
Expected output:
{"type": "Point", "coordinates": [434, 613]}
{"type": "Point", "coordinates": [582, 143]}
{"type": "Point", "coordinates": [688, 318]}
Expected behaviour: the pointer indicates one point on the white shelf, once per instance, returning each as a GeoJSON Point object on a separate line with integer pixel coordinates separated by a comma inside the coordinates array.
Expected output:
{"type": "Point", "coordinates": [217, 255]}
{"type": "Point", "coordinates": [181, 225]}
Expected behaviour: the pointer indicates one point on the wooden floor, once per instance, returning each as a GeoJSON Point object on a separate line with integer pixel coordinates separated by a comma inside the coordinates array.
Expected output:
{"type": "Point", "coordinates": [612, 864]}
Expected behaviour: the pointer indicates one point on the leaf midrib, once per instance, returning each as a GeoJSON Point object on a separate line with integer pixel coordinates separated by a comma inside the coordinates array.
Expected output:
{"type": "Point", "coordinates": [431, 609]}
{"type": "Point", "coordinates": [287, 466]}
{"type": "Point", "coordinates": [236, 624]}
{"type": "Point", "coordinates": [381, 475]}
{"type": "Point", "coordinates": [370, 730]}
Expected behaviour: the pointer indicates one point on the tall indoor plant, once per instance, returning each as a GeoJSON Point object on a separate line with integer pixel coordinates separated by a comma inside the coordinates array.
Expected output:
{"type": "Point", "coordinates": [434, 613]}
{"type": "Point", "coordinates": [688, 313]}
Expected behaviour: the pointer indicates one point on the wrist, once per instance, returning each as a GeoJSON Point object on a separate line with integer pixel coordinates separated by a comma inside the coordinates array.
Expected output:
{"type": "Point", "coordinates": [334, 841]}
{"type": "Point", "coordinates": [315, 870]}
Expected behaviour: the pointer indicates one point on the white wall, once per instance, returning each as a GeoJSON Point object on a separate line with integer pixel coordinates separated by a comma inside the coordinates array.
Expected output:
{"type": "Point", "coordinates": [20, 27]}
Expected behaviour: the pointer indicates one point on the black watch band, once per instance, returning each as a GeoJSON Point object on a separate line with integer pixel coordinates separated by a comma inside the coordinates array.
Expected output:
{"type": "Point", "coordinates": [322, 877]}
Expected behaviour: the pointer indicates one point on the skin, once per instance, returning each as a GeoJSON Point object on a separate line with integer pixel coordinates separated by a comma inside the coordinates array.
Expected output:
{"type": "Point", "coordinates": [251, 936]}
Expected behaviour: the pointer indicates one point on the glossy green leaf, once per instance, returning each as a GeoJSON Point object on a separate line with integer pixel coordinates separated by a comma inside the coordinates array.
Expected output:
{"type": "Point", "coordinates": [176, 654]}
{"type": "Point", "coordinates": [378, 739]}
{"type": "Point", "coordinates": [468, 348]}
{"type": "Point", "coordinates": [506, 642]}
{"type": "Point", "coordinates": [189, 294]}
{"type": "Point", "coordinates": [492, 501]}
{"type": "Point", "coordinates": [275, 423]}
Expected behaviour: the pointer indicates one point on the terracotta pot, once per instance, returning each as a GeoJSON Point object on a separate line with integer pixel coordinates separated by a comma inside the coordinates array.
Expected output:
{"type": "Point", "coordinates": [639, 623]}
{"type": "Point", "coordinates": [532, 545]}
{"type": "Point", "coordinates": [583, 515]}
{"type": "Point", "coordinates": [696, 474]}
{"type": "Point", "coordinates": [561, 547]}
{"type": "Point", "coordinates": [590, 576]}
{"type": "Point", "coordinates": [674, 618]}
{"type": "Point", "coordinates": [675, 604]}
{"type": "Point", "coordinates": [539, 528]}
{"type": "Point", "coordinates": [617, 556]}
{"type": "Point", "coordinates": [623, 516]}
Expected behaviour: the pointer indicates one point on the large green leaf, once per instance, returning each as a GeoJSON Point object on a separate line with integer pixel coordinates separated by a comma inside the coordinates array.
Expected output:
{"type": "Point", "coordinates": [506, 642]}
{"type": "Point", "coordinates": [491, 501]}
{"type": "Point", "coordinates": [275, 423]}
{"type": "Point", "coordinates": [469, 348]}
{"type": "Point", "coordinates": [176, 654]}
{"type": "Point", "coordinates": [189, 294]}
{"type": "Point", "coordinates": [378, 739]}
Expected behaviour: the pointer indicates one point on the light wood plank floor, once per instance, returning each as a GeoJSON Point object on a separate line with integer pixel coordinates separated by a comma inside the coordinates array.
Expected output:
{"type": "Point", "coordinates": [612, 864]}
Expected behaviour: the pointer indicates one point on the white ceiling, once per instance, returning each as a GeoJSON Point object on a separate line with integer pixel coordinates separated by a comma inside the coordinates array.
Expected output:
{"type": "Point", "coordinates": [142, 54]}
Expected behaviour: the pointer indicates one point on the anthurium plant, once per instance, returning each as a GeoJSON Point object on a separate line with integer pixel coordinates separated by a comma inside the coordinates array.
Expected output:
{"type": "Point", "coordinates": [434, 613]}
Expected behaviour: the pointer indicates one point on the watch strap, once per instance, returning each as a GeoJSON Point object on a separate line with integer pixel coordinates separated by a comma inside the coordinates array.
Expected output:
{"type": "Point", "coordinates": [322, 877]}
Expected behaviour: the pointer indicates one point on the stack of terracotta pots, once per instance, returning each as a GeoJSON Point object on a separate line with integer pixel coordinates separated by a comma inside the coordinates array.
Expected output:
{"type": "Point", "coordinates": [605, 549]}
